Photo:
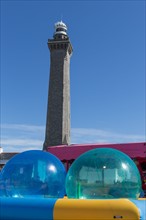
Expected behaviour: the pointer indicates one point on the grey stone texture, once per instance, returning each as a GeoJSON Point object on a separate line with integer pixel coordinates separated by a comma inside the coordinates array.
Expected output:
{"type": "Point", "coordinates": [58, 110]}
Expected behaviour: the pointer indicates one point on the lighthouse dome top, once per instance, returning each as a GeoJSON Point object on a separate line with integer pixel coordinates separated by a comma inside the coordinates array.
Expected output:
{"type": "Point", "coordinates": [60, 28]}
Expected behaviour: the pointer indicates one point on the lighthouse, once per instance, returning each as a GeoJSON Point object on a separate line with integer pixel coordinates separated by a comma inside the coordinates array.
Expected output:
{"type": "Point", "coordinates": [58, 108]}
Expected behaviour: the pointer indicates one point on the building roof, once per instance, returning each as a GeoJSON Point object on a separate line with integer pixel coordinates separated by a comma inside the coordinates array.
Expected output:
{"type": "Point", "coordinates": [65, 152]}
{"type": "Point", "coordinates": [7, 155]}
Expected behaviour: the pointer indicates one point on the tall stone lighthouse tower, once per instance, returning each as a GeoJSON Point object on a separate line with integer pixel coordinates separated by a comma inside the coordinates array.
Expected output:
{"type": "Point", "coordinates": [58, 111]}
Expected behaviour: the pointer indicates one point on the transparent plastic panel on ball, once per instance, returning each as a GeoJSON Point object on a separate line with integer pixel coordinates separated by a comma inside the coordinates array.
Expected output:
{"type": "Point", "coordinates": [103, 173]}
{"type": "Point", "coordinates": [33, 173]}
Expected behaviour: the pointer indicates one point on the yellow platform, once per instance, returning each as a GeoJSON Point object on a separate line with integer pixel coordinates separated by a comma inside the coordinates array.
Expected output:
{"type": "Point", "coordinates": [75, 209]}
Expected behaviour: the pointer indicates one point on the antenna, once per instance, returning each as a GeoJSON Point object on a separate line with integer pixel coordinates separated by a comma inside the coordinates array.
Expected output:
{"type": "Point", "coordinates": [61, 17]}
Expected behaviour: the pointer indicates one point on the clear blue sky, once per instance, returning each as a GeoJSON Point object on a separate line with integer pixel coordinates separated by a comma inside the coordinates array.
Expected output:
{"type": "Point", "coordinates": [107, 70]}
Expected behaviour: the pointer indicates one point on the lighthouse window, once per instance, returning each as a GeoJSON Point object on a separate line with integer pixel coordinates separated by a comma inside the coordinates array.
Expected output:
{"type": "Point", "coordinates": [60, 29]}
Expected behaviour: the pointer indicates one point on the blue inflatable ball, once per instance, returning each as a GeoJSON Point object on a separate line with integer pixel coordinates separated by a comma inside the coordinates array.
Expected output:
{"type": "Point", "coordinates": [33, 173]}
{"type": "Point", "coordinates": [103, 173]}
